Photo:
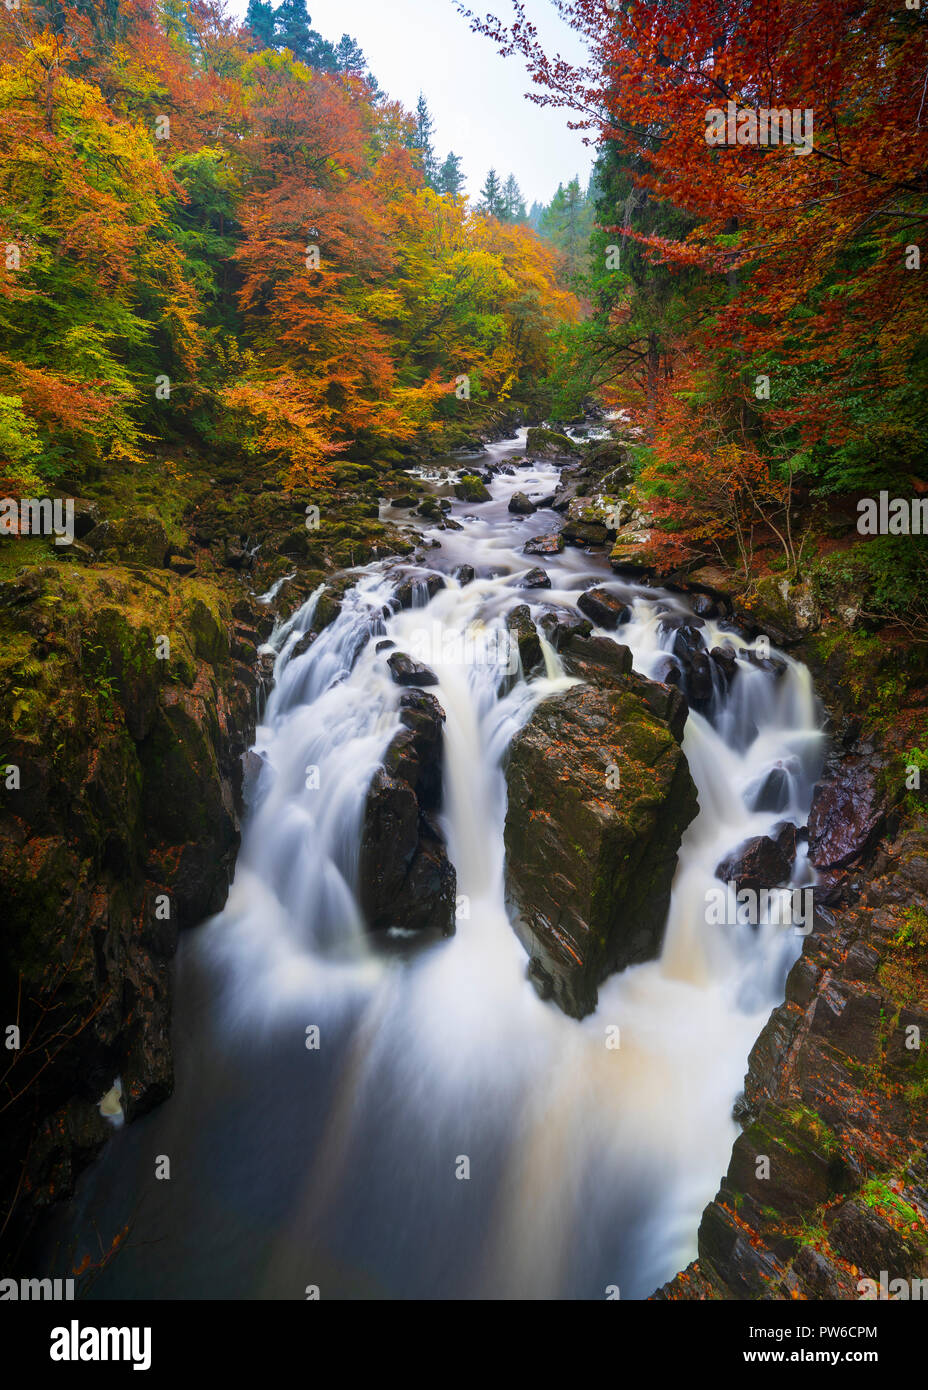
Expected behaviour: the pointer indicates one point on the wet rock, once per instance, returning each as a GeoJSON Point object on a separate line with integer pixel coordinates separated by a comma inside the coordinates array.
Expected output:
{"type": "Point", "coordinates": [405, 502]}
{"type": "Point", "coordinates": [464, 574]}
{"type": "Point", "coordinates": [423, 717]}
{"type": "Point", "coordinates": [785, 836]}
{"type": "Point", "coordinates": [520, 505]}
{"type": "Point", "coordinates": [535, 579]}
{"type": "Point", "coordinates": [704, 606]}
{"type": "Point", "coordinates": [589, 863]}
{"type": "Point", "coordinates": [418, 590]}
{"type": "Point", "coordinates": [698, 683]}
{"type": "Point", "coordinates": [603, 608]}
{"type": "Point", "coordinates": [406, 880]}
{"type": "Point", "coordinates": [866, 1240]}
{"type": "Point", "coordinates": [758, 863]}
{"type": "Point", "coordinates": [525, 635]}
{"type": "Point", "coordinates": [773, 665]}
{"type": "Point", "coordinates": [771, 792]}
{"type": "Point", "coordinates": [847, 815]}
{"type": "Point", "coordinates": [688, 642]}
{"type": "Point", "coordinates": [669, 672]}
{"type": "Point", "coordinates": [559, 632]}
{"type": "Point", "coordinates": [726, 662]}
{"type": "Point", "coordinates": [544, 545]}
{"type": "Point", "coordinates": [595, 659]}
{"type": "Point", "coordinates": [406, 671]}
{"type": "Point", "coordinates": [581, 533]}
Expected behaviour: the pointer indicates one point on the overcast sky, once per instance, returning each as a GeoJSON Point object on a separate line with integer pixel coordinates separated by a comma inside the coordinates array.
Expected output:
{"type": "Point", "coordinates": [476, 97]}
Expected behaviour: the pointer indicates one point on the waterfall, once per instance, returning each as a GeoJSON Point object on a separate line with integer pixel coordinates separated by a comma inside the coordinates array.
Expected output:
{"type": "Point", "coordinates": [344, 1166]}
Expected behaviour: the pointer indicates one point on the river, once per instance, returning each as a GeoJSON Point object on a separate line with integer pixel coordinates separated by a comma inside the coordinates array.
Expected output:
{"type": "Point", "coordinates": [339, 1167]}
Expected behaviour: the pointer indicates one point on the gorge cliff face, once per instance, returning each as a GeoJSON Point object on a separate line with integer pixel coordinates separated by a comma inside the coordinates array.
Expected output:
{"type": "Point", "coordinates": [120, 828]}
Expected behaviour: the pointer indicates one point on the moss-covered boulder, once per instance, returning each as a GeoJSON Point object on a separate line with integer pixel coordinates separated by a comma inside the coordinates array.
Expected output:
{"type": "Point", "coordinates": [140, 540]}
{"type": "Point", "coordinates": [549, 444]}
{"type": "Point", "coordinates": [599, 797]}
{"type": "Point", "coordinates": [470, 488]}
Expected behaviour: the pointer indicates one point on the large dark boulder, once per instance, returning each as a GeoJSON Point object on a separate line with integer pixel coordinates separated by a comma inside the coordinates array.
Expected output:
{"type": "Point", "coordinates": [520, 505]}
{"type": "Point", "coordinates": [603, 609]}
{"type": "Point", "coordinates": [847, 815]}
{"type": "Point", "coordinates": [406, 671]}
{"type": "Point", "coordinates": [405, 877]}
{"type": "Point", "coordinates": [599, 797]}
{"type": "Point", "coordinates": [549, 444]}
{"type": "Point", "coordinates": [758, 863]}
{"type": "Point", "coordinates": [418, 590]}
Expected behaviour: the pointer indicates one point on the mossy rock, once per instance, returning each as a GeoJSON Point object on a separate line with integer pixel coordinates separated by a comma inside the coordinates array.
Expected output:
{"type": "Point", "coordinates": [142, 539]}
{"type": "Point", "coordinates": [543, 443]}
{"type": "Point", "coordinates": [470, 488]}
{"type": "Point", "coordinates": [599, 797]}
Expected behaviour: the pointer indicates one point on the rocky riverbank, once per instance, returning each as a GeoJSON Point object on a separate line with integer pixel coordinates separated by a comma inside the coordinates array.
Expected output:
{"type": "Point", "coordinates": [131, 678]}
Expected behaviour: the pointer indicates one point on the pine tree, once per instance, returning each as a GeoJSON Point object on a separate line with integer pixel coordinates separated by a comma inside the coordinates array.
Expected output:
{"type": "Point", "coordinates": [567, 222]}
{"type": "Point", "coordinates": [513, 204]}
{"type": "Point", "coordinates": [292, 29]}
{"type": "Point", "coordinates": [422, 141]}
{"type": "Point", "coordinates": [260, 20]}
{"type": "Point", "coordinates": [350, 56]}
{"type": "Point", "coordinates": [491, 196]}
{"type": "Point", "coordinates": [450, 178]}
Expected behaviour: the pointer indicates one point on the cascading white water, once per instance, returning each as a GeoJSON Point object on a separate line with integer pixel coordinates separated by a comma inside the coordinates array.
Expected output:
{"type": "Point", "coordinates": [588, 1166]}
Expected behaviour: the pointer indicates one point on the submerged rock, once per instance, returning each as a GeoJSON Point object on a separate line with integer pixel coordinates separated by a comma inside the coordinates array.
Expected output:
{"type": "Point", "coordinates": [599, 797]}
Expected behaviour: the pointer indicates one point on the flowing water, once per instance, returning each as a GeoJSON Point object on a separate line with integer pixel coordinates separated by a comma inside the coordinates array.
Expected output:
{"type": "Point", "coordinates": [341, 1166]}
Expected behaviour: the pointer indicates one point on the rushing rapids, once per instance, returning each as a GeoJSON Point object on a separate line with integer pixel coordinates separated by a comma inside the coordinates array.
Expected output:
{"type": "Point", "coordinates": [343, 1166]}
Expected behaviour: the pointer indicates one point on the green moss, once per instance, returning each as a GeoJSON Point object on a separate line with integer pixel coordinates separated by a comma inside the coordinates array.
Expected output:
{"type": "Point", "coordinates": [878, 1193]}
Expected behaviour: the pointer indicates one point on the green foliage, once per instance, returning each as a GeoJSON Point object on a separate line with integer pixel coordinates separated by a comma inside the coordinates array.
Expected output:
{"type": "Point", "coordinates": [887, 576]}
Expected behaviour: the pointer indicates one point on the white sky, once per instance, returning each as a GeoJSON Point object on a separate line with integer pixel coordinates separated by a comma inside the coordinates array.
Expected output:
{"type": "Point", "coordinates": [475, 97]}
